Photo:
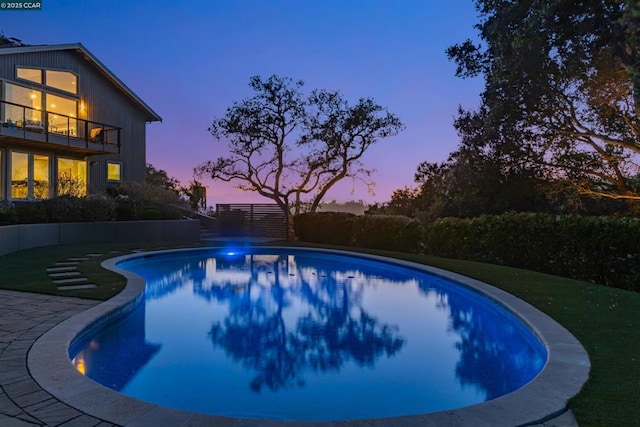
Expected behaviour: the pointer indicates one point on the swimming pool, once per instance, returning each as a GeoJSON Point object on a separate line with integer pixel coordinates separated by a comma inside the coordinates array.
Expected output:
{"type": "Point", "coordinates": [307, 335]}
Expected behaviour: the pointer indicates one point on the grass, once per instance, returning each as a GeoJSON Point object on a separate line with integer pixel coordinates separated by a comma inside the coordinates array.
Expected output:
{"type": "Point", "coordinates": [26, 270]}
{"type": "Point", "coordinates": [605, 320]}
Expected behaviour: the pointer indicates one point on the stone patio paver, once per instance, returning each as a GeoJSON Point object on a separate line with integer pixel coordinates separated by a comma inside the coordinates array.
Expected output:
{"type": "Point", "coordinates": [24, 317]}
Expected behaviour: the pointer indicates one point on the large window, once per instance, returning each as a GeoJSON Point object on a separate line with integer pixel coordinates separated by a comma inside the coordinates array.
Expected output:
{"type": "Point", "coordinates": [72, 177]}
{"type": "Point", "coordinates": [62, 111]}
{"type": "Point", "coordinates": [30, 115]}
{"type": "Point", "coordinates": [31, 74]}
{"type": "Point", "coordinates": [61, 114]}
{"type": "Point", "coordinates": [30, 176]}
{"type": "Point", "coordinates": [41, 187]}
{"type": "Point", "coordinates": [62, 80]}
{"type": "Point", "coordinates": [19, 175]}
{"type": "Point", "coordinates": [114, 171]}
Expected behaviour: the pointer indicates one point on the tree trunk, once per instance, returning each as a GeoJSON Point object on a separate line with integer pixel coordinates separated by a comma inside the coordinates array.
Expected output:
{"type": "Point", "coordinates": [291, 229]}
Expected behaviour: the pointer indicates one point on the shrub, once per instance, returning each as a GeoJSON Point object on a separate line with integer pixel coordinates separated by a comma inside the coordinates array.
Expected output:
{"type": "Point", "coordinates": [325, 227]}
{"type": "Point", "coordinates": [397, 233]}
{"type": "Point", "coordinates": [30, 212]}
{"type": "Point", "coordinates": [8, 213]}
{"type": "Point", "coordinates": [604, 250]}
{"type": "Point", "coordinates": [79, 209]}
{"type": "Point", "coordinates": [135, 201]}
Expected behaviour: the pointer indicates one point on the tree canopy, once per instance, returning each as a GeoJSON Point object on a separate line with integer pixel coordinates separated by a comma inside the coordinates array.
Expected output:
{"type": "Point", "coordinates": [562, 88]}
{"type": "Point", "coordinates": [160, 178]}
{"type": "Point", "coordinates": [293, 148]}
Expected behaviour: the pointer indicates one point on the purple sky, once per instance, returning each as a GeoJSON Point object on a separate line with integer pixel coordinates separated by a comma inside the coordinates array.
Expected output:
{"type": "Point", "coordinates": [189, 60]}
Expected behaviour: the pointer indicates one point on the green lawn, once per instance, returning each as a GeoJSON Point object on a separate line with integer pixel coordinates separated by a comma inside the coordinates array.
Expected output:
{"type": "Point", "coordinates": [605, 320]}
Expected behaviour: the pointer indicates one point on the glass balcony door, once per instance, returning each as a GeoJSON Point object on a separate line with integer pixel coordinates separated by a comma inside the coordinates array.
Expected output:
{"type": "Point", "coordinates": [30, 176]}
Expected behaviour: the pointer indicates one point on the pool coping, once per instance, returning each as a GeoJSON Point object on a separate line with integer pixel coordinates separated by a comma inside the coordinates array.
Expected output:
{"type": "Point", "coordinates": [562, 377]}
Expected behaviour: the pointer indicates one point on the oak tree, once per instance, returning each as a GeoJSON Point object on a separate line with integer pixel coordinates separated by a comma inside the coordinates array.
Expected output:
{"type": "Point", "coordinates": [563, 85]}
{"type": "Point", "coordinates": [293, 148]}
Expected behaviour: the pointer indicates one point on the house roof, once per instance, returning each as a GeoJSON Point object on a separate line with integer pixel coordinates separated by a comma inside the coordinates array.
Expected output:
{"type": "Point", "coordinates": [152, 116]}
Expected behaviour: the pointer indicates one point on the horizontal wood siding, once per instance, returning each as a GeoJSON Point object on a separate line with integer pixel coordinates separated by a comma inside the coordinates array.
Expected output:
{"type": "Point", "coordinates": [104, 104]}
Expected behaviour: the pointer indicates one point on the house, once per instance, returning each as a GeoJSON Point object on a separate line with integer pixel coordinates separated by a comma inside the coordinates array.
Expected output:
{"type": "Point", "coordinates": [68, 124]}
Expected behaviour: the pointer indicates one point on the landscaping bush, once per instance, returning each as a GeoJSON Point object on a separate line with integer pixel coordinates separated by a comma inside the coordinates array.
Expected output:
{"type": "Point", "coordinates": [604, 250]}
{"type": "Point", "coordinates": [327, 227]}
{"type": "Point", "coordinates": [123, 202]}
{"type": "Point", "coordinates": [397, 233]}
{"type": "Point", "coordinates": [79, 209]}
{"type": "Point", "coordinates": [369, 231]}
{"type": "Point", "coordinates": [30, 212]}
{"type": "Point", "coordinates": [145, 202]}
{"type": "Point", "coordinates": [8, 213]}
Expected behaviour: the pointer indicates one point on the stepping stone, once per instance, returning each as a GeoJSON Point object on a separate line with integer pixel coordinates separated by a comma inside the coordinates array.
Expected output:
{"type": "Point", "coordinates": [60, 269]}
{"type": "Point", "coordinates": [65, 274]}
{"type": "Point", "coordinates": [72, 287]}
{"type": "Point", "coordinates": [78, 258]}
{"type": "Point", "coordinates": [114, 252]}
{"type": "Point", "coordinates": [66, 263]}
{"type": "Point", "coordinates": [74, 280]}
{"type": "Point", "coordinates": [93, 255]}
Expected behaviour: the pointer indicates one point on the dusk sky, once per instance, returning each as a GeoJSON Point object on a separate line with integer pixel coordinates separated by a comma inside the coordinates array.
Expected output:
{"type": "Point", "coordinates": [189, 60]}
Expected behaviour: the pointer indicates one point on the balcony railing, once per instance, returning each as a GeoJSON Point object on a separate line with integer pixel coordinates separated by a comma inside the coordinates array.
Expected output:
{"type": "Point", "coordinates": [45, 126]}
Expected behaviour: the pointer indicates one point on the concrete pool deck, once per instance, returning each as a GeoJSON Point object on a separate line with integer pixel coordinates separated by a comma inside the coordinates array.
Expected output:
{"type": "Point", "coordinates": [40, 386]}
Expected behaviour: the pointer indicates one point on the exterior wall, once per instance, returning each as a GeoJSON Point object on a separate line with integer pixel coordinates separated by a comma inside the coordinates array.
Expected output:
{"type": "Point", "coordinates": [18, 237]}
{"type": "Point", "coordinates": [104, 102]}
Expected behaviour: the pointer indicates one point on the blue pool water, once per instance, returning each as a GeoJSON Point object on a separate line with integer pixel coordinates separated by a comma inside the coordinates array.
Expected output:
{"type": "Point", "coordinates": [306, 335]}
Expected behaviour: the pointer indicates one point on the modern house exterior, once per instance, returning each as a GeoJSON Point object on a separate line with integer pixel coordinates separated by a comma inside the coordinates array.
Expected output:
{"type": "Point", "coordinates": [68, 125]}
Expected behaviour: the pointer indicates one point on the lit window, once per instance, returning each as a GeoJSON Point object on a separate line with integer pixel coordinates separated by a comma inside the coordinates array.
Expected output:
{"type": "Point", "coordinates": [62, 80]}
{"type": "Point", "coordinates": [28, 113]}
{"type": "Point", "coordinates": [31, 74]}
{"type": "Point", "coordinates": [30, 176]}
{"type": "Point", "coordinates": [41, 188]}
{"type": "Point", "coordinates": [114, 171]}
{"type": "Point", "coordinates": [72, 177]}
{"type": "Point", "coordinates": [19, 175]}
{"type": "Point", "coordinates": [61, 114]}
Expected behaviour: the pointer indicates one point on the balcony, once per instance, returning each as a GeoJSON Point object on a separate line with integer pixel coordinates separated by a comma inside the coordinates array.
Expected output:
{"type": "Point", "coordinates": [40, 129]}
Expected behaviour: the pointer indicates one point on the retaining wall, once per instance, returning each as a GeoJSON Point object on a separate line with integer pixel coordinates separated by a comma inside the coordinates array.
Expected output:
{"type": "Point", "coordinates": [24, 236]}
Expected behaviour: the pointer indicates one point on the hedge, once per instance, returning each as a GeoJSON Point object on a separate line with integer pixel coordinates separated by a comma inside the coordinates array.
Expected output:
{"type": "Point", "coordinates": [604, 250]}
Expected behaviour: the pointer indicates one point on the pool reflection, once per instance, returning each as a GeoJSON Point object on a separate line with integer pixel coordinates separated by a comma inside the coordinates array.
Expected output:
{"type": "Point", "coordinates": [332, 327]}
{"type": "Point", "coordinates": [491, 356]}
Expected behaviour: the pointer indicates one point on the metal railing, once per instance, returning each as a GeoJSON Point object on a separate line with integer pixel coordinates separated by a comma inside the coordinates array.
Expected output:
{"type": "Point", "coordinates": [56, 128]}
